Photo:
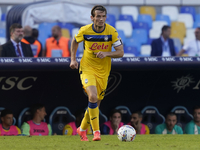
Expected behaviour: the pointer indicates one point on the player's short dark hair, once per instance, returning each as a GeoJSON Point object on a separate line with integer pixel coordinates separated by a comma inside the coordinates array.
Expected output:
{"type": "Point", "coordinates": [115, 111]}
{"type": "Point", "coordinates": [35, 107]}
{"type": "Point", "coordinates": [165, 28]}
{"type": "Point", "coordinates": [170, 114]}
{"type": "Point", "coordinates": [35, 33]}
{"type": "Point", "coordinates": [138, 112]}
{"type": "Point", "coordinates": [198, 28]}
{"type": "Point", "coordinates": [98, 7]}
{"type": "Point", "coordinates": [14, 26]}
{"type": "Point", "coordinates": [196, 107]}
{"type": "Point", "coordinates": [6, 112]}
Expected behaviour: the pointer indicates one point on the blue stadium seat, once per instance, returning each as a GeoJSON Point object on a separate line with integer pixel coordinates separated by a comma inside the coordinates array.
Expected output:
{"type": "Point", "coordinates": [68, 26]}
{"type": "Point", "coordinates": [141, 35]}
{"type": "Point", "coordinates": [24, 116]}
{"type": "Point", "coordinates": [122, 35]}
{"type": "Point", "coordinates": [166, 18]}
{"type": "Point", "coordinates": [126, 113]}
{"type": "Point", "coordinates": [102, 118]}
{"type": "Point", "coordinates": [45, 31]}
{"type": "Point", "coordinates": [59, 118]}
{"type": "Point", "coordinates": [111, 19]}
{"type": "Point", "coordinates": [115, 10]}
{"type": "Point", "coordinates": [2, 33]}
{"type": "Point", "coordinates": [145, 18]}
{"type": "Point", "coordinates": [56, 53]}
{"type": "Point", "coordinates": [14, 120]}
{"type": "Point", "coordinates": [141, 25]}
{"type": "Point", "coordinates": [133, 42]}
{"type": "Point", "coordinates": [183, 116]}
{"type": "Point", "coordinates": [196, 24]}
{"type": "Point", "coordinates": [197, 17]}
{"type": "Point", "coordinates": [127, 18]}
{"type": "Point", "coordinates": [152, 117]}
{"type": "Point", "coordinates": [189, 10]}
{"type": "Point", "coordinates": [3, 17]}
{"type": "Point", "coordinates": [150, 41]}
{"type": "Point", "coordinates": [131, 50]}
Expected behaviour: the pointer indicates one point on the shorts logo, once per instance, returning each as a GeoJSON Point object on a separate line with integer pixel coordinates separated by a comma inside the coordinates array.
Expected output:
{"type": "Point", "coordinates": [86, 81]}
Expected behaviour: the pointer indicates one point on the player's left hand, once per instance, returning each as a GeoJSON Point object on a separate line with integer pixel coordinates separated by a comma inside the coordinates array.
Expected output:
{"type": "Point", "coordinates": [101, 55]}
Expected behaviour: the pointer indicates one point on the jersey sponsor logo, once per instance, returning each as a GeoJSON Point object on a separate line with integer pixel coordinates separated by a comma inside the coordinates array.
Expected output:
{"type": "Point", "coordinates": [96, 46]}
{"type": "Point", "coordinates": [38, 131]}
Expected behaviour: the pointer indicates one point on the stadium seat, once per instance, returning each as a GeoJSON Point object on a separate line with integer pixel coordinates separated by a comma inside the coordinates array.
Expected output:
{"type": "Point", "coordinates": [152, 117]}
{"type": "Point", "coordinates": [24, 116]}
{"type": "Point", "coordinates": [130, 51]}
{"type": "Point", "coordinates": [56, 53]}
{"type": "Point", "coordinates": [141, 25]}
{"type": "Point", "coordinates": [132, 42]}
{"type": "Point", "coordinates": [9, 7]}
{"type": "Point", "coordinates": [154, 33]}
{"type": "Point", "coordinates": [171, 11]}
{"type": "Point", "coordinates": [102, 118]}
{"type": "Point", "coordinates": [2, 33]}
{"type": "Point", "coordinates": [183, 116]}
{"type": "Point", "coordinates": [196, 24]}
{"type": "Point", "coordinates": [148, 10]}
{"type": "Point", "coordinates": [126, 26]}
{"type": "Point", "coordinates": [130, 10]}
{"type": "Point", "coordinates": [186, 19]}
{"type": "Point", "coordinates": [122, 35]}
{"type": "Point", "coordinates": [127, 18]}
{"type": "Point", "coordinates": [158, 25]}
{"type": "Point", "coordinates": [59, 118]}
{"type": "Point", "coordinates": [176, 34]}
{"type": "Point", "coordinates": [2, 40]}
{"type": "Point", "coordinates": [163, 18]}
{"type": "Point", "coordinates": [145, 50]}
{"type": "Point", "coordinates": [141, 35]}
{"type": "Point", "coordinates": [126, 113]}
{"type": "Point", "coordinates": [115, 10]}
{"type": "Point", "coordinates": [179, 26]}
{"type": "Point", "coordinates": [68, 26]}
{"type": "Point", "coordinates": [177, 44]}
{"type": "Point", "coordinates": [197, 17]}
{"type": "Point", "coordinates": [111, 19]}
{"type": "Point", "coordinates": [3, 17]}
{"type": "Point", "coordinates": [189, 10]}
{"type": "Point", "coordinates": [145, 18]}
{"type": "Point", "coordinates": [150, 41]}
{"type": "Point", "coordinates": [190, 33]}
{"type": "Point", "coordinates": [45, 31]}
{"type": "Point", "coordinates": [65, 33]}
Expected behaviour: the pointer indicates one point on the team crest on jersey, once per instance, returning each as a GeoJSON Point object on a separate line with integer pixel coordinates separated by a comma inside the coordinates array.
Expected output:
{"type": "Point", "coordinates": [86, 81]}
{"type": "Point", "coordinates": [106, 38]}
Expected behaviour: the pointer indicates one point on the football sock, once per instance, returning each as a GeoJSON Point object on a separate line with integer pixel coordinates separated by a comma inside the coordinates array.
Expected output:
{"type": "Point", "coordinates": [94, 115]}
{"type": "Point", "coordinates": [85, 122]}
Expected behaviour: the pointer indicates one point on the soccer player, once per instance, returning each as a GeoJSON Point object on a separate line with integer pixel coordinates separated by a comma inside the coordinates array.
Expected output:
{"type": "Point", "coordinates": [193, 127]}
{"type": "Point", "coordinates": [135, 122]}
{"type": "Point", "coordinates": [36, 126]}
{"type": "Point", "coordinates": [95, 64]}
{"type": "Point", "coordinates": [169, 127]}
{"type": "Point", "coordinates": [6, 128]}
{"type": "Point", "coordinates": [111, 127]}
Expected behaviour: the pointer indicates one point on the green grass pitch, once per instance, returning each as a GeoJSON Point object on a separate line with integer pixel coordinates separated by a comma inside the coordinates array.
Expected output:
{"type": "Point", "coordinates": [108, 142]}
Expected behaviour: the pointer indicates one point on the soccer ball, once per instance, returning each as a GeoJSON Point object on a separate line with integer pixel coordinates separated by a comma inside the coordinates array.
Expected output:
{"type": "Point", "coordinates": [126, 133]}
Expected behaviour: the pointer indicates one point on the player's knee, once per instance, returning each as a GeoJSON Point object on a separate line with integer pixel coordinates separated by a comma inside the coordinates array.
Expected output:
{"type": "Point", "coordinates": [93, 98]}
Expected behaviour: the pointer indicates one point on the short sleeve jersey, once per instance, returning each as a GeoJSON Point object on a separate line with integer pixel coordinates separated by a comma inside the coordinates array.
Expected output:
{"type": "Point", "coordinates": [93, 43]}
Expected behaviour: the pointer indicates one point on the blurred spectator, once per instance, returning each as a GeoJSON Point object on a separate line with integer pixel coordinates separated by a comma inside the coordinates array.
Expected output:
{"type": "Point", "coordinates": [169, 127]}
{"type": "Point", "coordinates": [6, 128]}
{"type": "Point", "coordinates": [35, 33]}
{"type": "Point", "coordinates": [57, 43]}
{"type": "Point", "coordinates": [163, 46]}
{"type": "Point", "coordinates": [193, 47]}
{"type": "Point", "coordinates": [14, 47]}
{"type": "Point", "coordinates": [37, 126]}
{"type": "Point", "coordinates": [70, 128]}
{"type": "Point", "coordinates": [135, 122]}
{"type": "Point", "coordinates": [193, 127]}
{"type": "Point", "coordinates": [36, 46]}
{"type": "Point", "coordinates": [111, 127]}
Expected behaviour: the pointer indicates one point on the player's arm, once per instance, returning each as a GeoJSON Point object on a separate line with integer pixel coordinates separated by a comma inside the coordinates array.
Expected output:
{"type": "Point", "coordinates": [74, 47]}
{"type": "Point", "coordinates": [181, 52]}
{"type": "Point", "coordinates": [49, 128]}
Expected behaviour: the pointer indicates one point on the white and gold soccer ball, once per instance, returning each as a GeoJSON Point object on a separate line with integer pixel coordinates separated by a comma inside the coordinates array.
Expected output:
{"type": "Point", "coordinates": [126, 133]}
